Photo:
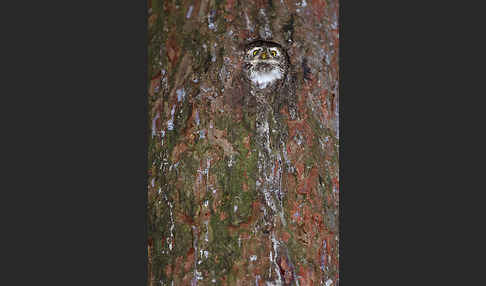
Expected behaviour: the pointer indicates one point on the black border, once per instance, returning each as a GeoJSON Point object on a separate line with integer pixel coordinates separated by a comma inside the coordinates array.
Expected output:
{"type": "Point", "coordinates": [79, 169]}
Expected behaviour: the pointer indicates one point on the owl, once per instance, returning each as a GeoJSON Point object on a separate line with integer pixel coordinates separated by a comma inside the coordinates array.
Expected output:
{"type": "Point", "coordinates": [265, 78]}
{"type": "Point", "coordinates": [266, 65]}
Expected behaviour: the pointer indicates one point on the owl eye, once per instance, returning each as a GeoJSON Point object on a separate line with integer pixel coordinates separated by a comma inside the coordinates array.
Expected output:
{"type": "Point", "coordinates": [255, 52]}
{"type": "Point", "coordinates": [274, 53]}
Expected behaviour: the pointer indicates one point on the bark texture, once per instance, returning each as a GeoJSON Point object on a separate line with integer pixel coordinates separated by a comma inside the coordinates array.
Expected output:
{"type": "Point", "coordinates": [231, 202]}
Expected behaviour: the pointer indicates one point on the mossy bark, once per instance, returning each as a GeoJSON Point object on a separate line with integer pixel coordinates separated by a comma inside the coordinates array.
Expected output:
{"type": "Point", "coordinates": [205, 210]}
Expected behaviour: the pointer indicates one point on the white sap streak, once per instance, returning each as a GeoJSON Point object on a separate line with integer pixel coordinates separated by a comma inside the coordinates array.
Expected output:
{"type": "Point", "coordinates": [281, 214]}
{"type": "Point", "coordinates": [286, 158]}
{"type": "Point", "coordinates": [211, 24]}
{"type": "Point", "coordinates": [197, 274]}
{"type": "Point", "coordinates": [265, 32]}
{"type": "Point", "coordinates": [189, 12]}
{"type": "Point", "coordinates": [323, 256]}
{"type": "Point", "coordinates": [154, 126]}
{"type": "Point", "coordinates": [170, 123]}
{"type": "Point", "coordinates": [263, 131]}
{"type": "Point", "coordinates": [181, 94]}
{"type": "Point", "coordinates": [334, 25]}
{"type": "Point", "coordinates": [197, 117]}
{"type": "Point", "coordinates": [269, 200]}
{"type": "Point", "coordinates": [231, 161]}
{"type": "Point", "coordinates": [277, 268]}
{"type": "Point", "coordinates": [208, 166]}
{"type": "Point", "coordinates": [170, 240]}
{"type": "Point", "coordinates": [213, 52]}
{"type": "Point", "coordinates": [248, 25]}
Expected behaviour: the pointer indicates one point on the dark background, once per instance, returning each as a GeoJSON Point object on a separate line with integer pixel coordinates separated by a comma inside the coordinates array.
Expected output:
{"type": "Point", "coordinates": [76, 150]}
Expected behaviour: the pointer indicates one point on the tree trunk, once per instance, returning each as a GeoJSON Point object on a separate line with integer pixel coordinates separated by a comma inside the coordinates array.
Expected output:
{"type": "Point", "coordinates": [228, 203]}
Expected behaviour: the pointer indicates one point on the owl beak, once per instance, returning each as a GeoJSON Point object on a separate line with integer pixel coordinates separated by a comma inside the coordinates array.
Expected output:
{"type": "Point", "coordinates": [264, 55]}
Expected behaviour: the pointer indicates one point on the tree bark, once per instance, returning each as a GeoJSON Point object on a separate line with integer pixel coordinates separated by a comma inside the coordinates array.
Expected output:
{"type": "Point", "coordinates": [231, 202]}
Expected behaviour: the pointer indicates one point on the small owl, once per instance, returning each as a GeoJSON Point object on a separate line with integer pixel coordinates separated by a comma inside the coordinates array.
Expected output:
{"type": "Point", "coordinates": [266, 78]}
{"type": "Point", "coordinates": [266, 64]}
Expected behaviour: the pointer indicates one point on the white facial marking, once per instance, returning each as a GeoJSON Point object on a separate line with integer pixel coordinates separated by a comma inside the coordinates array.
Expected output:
{"type": "Point", "coordinates": [252, 50]}
{"type": "Point", "coordinates": [262, 79]}
{"type": "Point", "coordinates": [274, 50]}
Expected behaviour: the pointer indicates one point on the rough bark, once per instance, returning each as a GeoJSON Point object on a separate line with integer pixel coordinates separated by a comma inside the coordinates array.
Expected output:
{"type": "Point", "coordinates": [229, 204]}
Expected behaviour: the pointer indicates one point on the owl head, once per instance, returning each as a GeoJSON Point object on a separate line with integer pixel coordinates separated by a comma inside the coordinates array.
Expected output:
{"type": "Point", "coordinates": [266, 63]}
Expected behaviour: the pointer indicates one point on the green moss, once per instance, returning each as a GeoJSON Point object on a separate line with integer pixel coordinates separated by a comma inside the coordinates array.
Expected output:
{"type": "Point", "coordinates": [224, 248]}
{"type": "Point", "coordinates": [296, 250]}
{"type": "Point", "coordinates": [231, 178]}
{"type": "Point", "coordinates": [189, 166]}
{"type": "Point", "coordinates": [156, 6]}
{"type": "Point", "coordinates": [183, 240]}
